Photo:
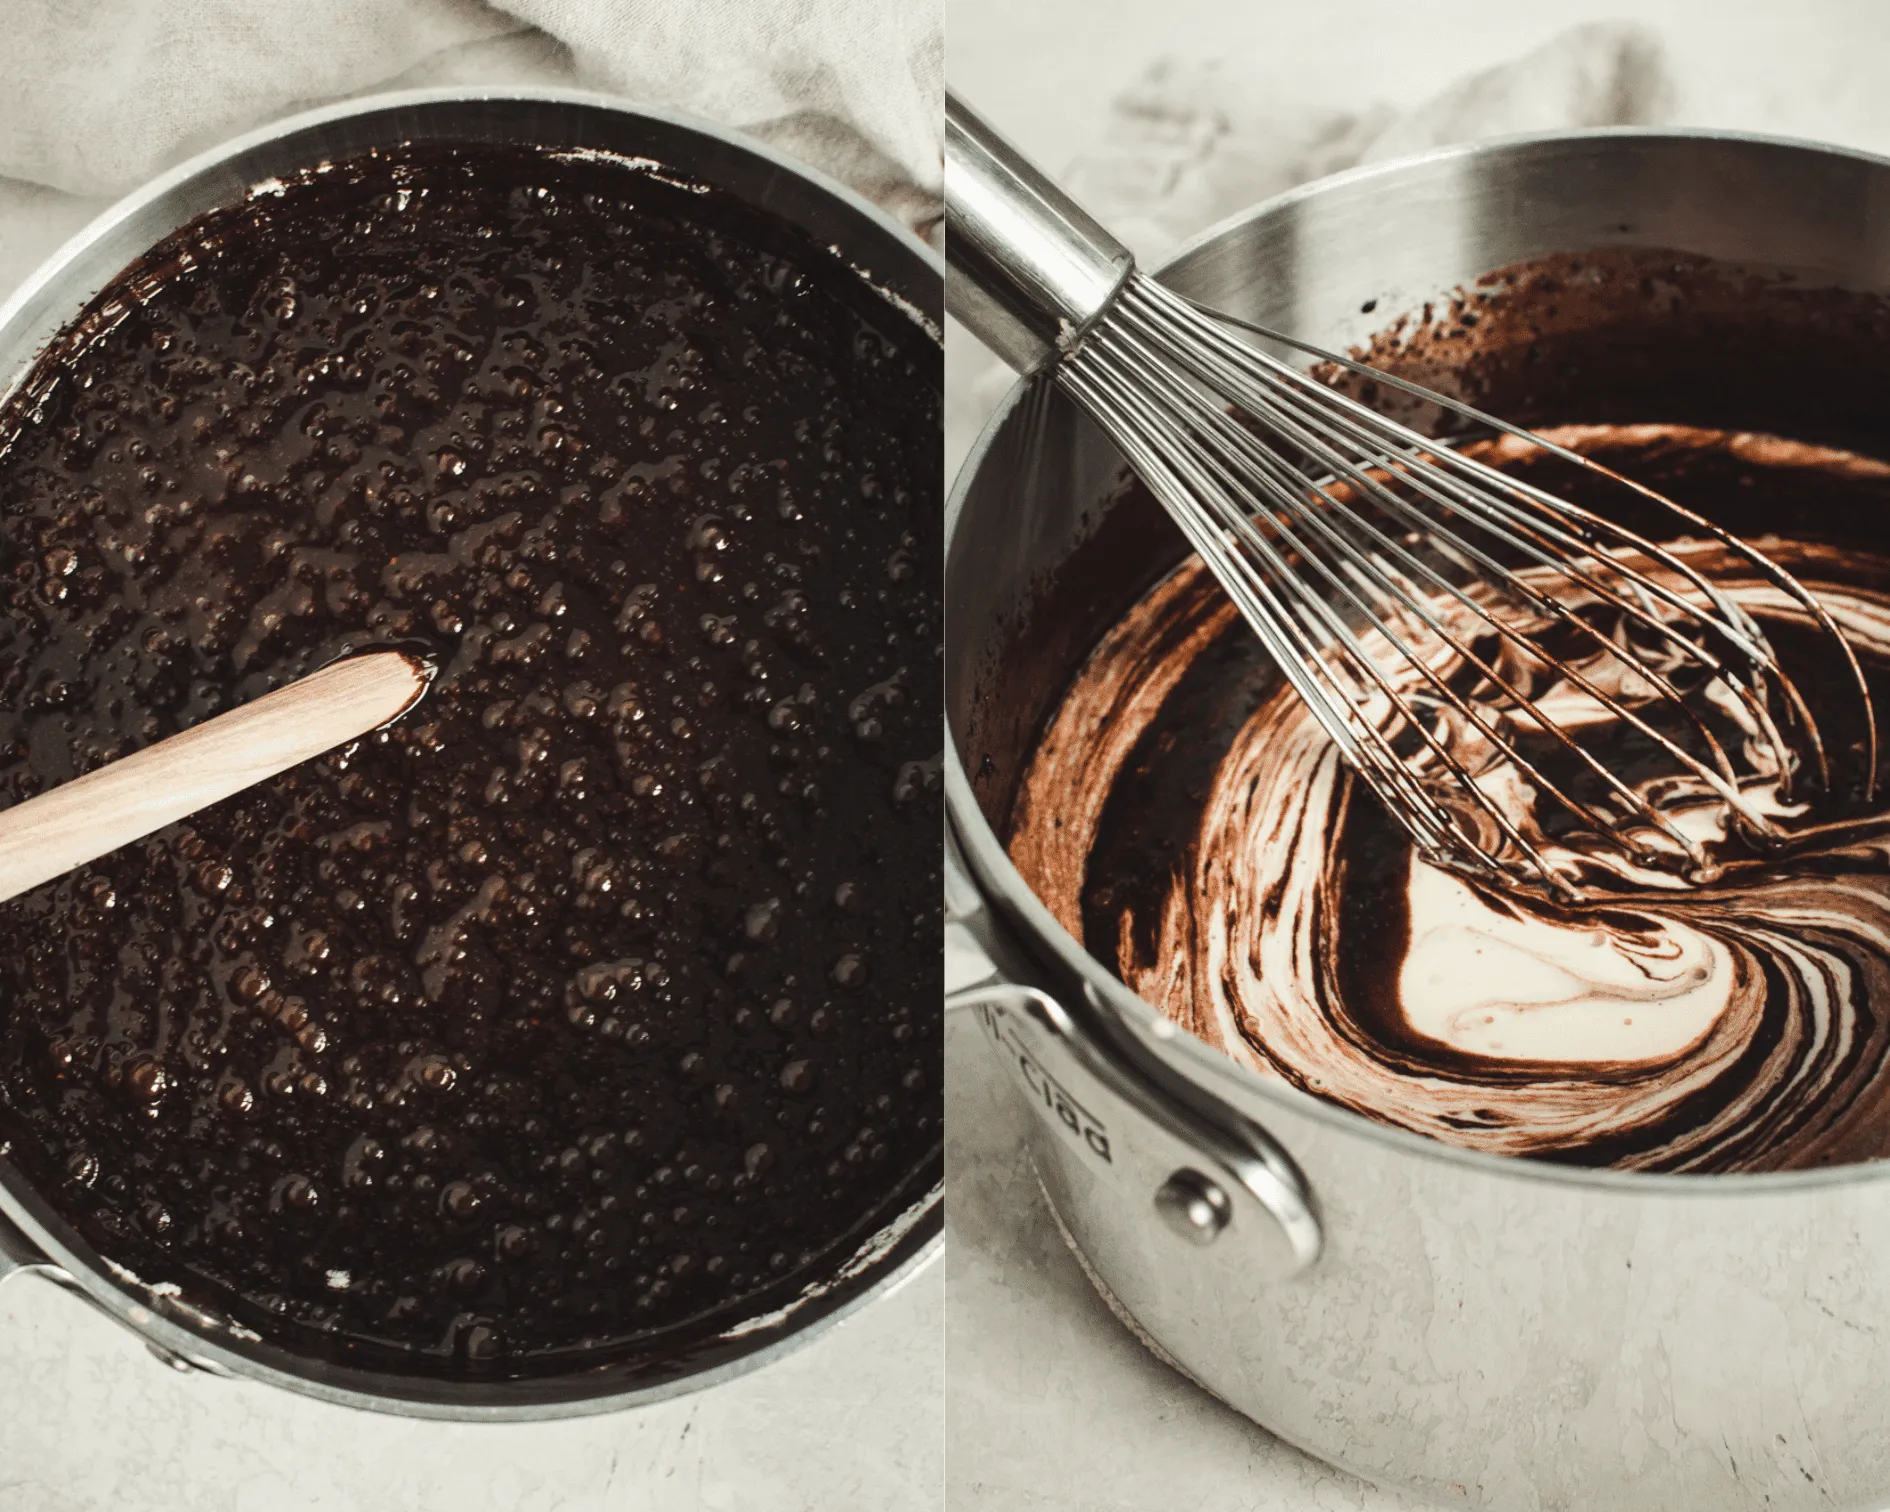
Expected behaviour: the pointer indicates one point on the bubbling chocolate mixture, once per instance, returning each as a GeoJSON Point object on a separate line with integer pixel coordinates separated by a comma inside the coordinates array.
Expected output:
{"type": "Point", "coordinates": [1185, 818]}
{"type": "Point", "coordinates": [596, 1001]}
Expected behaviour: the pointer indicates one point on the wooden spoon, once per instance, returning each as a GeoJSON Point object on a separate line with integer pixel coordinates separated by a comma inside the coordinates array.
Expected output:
{"type": "Point", "coordinates": [93, 815]}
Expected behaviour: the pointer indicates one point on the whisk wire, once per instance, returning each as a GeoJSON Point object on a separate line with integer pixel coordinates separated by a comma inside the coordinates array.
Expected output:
{"type": "Point", "coordinates": [1166, 465]}
{"type": "Point", "coordinates": [1255, 377]}
{"type": "Point", "coordinates": [1549, 546]}
{"type": "Point", "coordinates": [1753, 642]}
{"type": "Point", "coordinates": [1362, 479]}
{"type": "Point", "coordinates": [1218, 434]}
{"type": "Point", "coordinates": [1177, 468]}
{"type": "Point", "coordinates": [1368, 571]}
{"type": "Point", "coordinates": [1430, 469]}
{"type": "Point", "coordinates": [1380, 532]}
{"type": "Point", "coordinates": [1356, 570]}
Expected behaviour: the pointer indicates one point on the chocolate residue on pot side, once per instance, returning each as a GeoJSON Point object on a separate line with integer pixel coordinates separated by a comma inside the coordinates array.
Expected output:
{"type": "Point", "coordinates": [595, 1003]}
{"type": "Point", "coordinates": [1639, 336]}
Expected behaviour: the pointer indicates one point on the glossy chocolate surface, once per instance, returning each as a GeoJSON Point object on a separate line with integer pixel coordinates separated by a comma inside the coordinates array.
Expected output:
{"type": "Point", "coordinates": [594, 1003]}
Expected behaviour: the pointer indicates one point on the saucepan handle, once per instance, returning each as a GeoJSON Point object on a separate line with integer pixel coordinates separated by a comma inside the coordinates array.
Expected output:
{"type": "Point", "coordinates": [1201, 1177]}
{"type": "Point", "coordinates": [19, 1256]}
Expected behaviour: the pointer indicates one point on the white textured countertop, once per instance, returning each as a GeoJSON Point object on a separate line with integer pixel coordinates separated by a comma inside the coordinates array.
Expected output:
{"type": "Point", "coordinates": [1051, 1405]}
{"type": "Point", "coordinates": [91, 1422]}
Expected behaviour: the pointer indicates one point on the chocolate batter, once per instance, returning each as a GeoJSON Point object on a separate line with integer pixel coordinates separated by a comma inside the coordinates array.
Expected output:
{"type": "Point", "coordinates": [1185, 818]}
{"type": "Point", "coordinates": [595, 1003]}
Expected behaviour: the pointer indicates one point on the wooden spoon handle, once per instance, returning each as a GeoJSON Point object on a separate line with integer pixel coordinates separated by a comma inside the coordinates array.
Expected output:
{"type": "Point", "coordinates": [93, 815]}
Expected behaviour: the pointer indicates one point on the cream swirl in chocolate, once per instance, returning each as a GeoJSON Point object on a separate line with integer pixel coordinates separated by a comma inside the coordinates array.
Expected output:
{"type": "Point", "coordinates": [1285, 919]}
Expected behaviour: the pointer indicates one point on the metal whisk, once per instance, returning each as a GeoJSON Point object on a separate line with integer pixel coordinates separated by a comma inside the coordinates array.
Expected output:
{"type": "Point", "coordinates": [1517, 678]}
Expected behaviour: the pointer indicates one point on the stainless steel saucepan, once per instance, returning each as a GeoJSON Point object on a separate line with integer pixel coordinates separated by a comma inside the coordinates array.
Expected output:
{"type": "Point", "coordinates": [33, 1240]}
{"type": "Point", "coordinates": [1485, 1332]}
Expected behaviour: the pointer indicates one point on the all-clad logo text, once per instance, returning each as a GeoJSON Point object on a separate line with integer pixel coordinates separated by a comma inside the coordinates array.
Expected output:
{"type": "Point", "coordinates": [1078, 1120]}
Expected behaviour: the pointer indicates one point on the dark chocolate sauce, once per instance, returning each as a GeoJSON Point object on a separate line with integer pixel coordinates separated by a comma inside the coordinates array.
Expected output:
{"type": "Point", "coordinates": [597, 1000]}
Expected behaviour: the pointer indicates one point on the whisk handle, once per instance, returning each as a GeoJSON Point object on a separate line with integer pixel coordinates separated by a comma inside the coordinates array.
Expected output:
{"type": "Point", "coordinates": [1034, 270]}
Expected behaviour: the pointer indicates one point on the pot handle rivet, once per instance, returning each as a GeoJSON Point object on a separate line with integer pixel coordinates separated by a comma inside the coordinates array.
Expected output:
{"type": "Point", "coordinates": [1194, 1206]}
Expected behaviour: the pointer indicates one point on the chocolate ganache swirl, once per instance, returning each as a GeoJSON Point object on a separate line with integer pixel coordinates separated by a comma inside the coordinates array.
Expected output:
{"type": "Point", "coordinates": [1188, 819]}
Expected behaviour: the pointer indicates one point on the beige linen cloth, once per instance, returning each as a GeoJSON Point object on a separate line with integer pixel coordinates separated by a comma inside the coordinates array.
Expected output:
{"type": "Point", "coordinates": [1190, 143]}
{"type": "Point", "coordinates": [98, 95]}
